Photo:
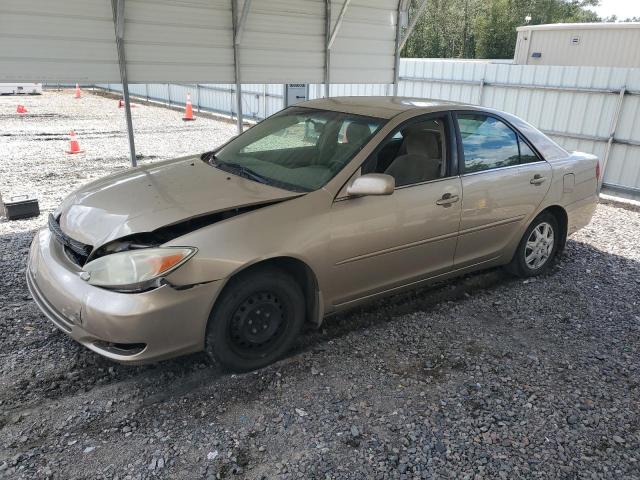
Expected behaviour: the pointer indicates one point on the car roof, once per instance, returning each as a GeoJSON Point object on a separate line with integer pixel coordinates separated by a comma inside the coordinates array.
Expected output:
{"type": "Point", "coordinates": [389, 107]}
{"type": "Point", "coordinates": [381, 107]}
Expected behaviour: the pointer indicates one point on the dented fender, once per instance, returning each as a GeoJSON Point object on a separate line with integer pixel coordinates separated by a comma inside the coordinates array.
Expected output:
{"type": "Point", "coordinates": [228, 247]}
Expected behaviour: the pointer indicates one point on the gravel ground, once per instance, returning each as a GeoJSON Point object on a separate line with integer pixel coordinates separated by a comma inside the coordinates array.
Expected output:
{"type": "Point", "coordinates": [484, 377]}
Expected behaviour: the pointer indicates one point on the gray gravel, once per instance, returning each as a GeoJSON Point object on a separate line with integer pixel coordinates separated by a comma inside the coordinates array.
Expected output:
{"type": "Point", "coordinates": [483, 377]}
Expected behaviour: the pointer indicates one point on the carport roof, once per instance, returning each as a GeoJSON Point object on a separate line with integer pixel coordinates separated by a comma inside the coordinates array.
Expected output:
{"type": "Point", "coordinates": [202, 41]}
{"type": "Point", "coordinates": [172, 41]}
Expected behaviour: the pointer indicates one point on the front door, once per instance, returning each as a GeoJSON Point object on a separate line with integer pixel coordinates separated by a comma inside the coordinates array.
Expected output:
{"type": "Point", "coordinates": [503, 183]}
{"type": "Point", "coordinates": [381, 242]}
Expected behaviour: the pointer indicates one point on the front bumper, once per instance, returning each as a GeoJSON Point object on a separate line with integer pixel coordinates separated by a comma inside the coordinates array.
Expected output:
{"type": "Point", "coordinates": [126, 327]}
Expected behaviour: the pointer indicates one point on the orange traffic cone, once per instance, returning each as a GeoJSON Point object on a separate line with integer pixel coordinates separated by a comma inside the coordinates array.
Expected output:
{"type": "Point", "coordinates": [74, 146]}
{"type": "Point", "coordinates": [21, 109]}
{"type": "Point", "coordinates": [77, 94]}
{"type": "Point", "coordinates": [188, 110]}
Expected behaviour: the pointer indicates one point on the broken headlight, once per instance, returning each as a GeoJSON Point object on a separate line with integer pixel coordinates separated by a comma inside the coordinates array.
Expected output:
{"type": "Point", "coordinates": [135, 270]}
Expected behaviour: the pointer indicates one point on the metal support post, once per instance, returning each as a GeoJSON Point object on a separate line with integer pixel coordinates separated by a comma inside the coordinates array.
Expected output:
{"type": "Point", "coordinates": [396, 58]}
{"type": "Point", "coordinates": [612, 132]}
{"type": "Point", "coordinates": [327, 51]}
{"type": "Point", "coordinates": [118, 23]}
{"type": "Point", "coordinates": [264, 101]}
{"type": "Point", "coordinates": [237, 32]}
{"type": "Point", "coordinates": [481, 92]}
{"type": "Point", "coordinates": [198, 97]}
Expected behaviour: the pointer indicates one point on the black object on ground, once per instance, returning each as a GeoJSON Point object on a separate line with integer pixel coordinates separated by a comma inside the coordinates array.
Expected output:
{"type": "Point", "coordinates": [19, 206]}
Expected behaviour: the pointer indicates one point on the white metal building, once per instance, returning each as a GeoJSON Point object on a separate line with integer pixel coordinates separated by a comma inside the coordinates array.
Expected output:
{"type": "Point", "coordinates": [579, 44]}
{"type": "Point", "coordinates": [20, 88]}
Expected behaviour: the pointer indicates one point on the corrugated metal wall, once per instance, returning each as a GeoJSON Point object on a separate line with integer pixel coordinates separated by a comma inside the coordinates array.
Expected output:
{"type": "Point", "coordinates": [218, 98]}
{"type": "Point", "coordinates": [576, 106]}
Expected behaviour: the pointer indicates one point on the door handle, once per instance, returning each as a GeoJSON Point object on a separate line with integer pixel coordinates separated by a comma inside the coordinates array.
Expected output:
{"type": "Point", "coordinates": [537, 179]}
{"type": "Point", "coordinates": [447, 199]}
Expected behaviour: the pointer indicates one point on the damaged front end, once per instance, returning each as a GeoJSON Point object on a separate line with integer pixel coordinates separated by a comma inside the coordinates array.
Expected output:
{"type": "Point", "coordinates": [139, 262]}
{"type": "Point", "coordinates": [170, 232]}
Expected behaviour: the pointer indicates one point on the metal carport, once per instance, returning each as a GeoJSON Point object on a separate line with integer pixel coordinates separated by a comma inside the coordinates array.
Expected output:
{"type": "Point", "coordinates": [215, 41]}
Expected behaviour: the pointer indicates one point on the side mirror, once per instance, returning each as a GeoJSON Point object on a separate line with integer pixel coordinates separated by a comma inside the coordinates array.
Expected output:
{"type": "Point", "coordinates": [372, 184]}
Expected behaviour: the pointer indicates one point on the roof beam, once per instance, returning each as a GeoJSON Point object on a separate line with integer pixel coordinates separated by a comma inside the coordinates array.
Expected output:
{"type": "Point", "coordinates": [338, 24]}
{"type": "Point", "coordinates": [239, 31]}
{"type": "Point", "coordinates": [119, 19]}
{"type": "Point", "coordinates": [412, 25]}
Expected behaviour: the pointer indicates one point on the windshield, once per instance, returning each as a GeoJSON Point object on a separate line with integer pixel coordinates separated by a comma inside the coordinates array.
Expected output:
{"type": "Point", "coordinates": [298, 149]}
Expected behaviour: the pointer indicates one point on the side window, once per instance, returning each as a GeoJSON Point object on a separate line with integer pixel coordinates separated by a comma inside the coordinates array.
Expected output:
{"type": "Point", "coordinates": [487, 143]}
{"type": "Point", "coordinates": [526, 154]}
{"type": "Point", "coordinates": [416, 153]}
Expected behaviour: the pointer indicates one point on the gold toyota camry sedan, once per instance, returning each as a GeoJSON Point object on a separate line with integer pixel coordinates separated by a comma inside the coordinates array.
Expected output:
{"type": "Point", "coordinates": [318, 208]}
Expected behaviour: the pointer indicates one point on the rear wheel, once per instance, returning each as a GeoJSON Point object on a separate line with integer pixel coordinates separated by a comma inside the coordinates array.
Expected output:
{"type": "Point", "coordinates": [256, 320]}
{"type": "Point", "coordinates": [537, 248]}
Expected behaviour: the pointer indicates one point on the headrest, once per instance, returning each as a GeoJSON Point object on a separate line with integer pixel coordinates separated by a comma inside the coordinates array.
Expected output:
{"type": "Point", "coordinates": [422, 142]}
{"type": "Point", "coordinates": [356, 133]}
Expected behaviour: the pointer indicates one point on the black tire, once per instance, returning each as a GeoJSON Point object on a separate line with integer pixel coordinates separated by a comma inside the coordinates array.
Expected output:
{"type": "Point", "coordinates": [256, 320]}
{"type": "Point", "coordinates": [522, 263]}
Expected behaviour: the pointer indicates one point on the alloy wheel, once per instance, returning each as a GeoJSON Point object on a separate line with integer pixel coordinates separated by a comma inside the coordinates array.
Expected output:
{"type": "Point", "coordinates": [539, 246]}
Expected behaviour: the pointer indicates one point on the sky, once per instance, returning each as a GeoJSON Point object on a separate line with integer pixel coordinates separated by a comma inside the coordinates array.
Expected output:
{"type": "Point", "coordinates": [621, 8]}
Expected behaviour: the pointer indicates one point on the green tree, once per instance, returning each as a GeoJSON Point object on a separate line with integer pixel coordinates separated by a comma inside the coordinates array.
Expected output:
{"type": "Point", "coordinates": [485, 28]}
{"type": "Point", "coordinates": [495, 31]}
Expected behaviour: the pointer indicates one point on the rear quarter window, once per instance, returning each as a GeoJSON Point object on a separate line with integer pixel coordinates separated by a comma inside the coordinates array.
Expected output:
{"type": "Point", "coordinates": [549, 149]}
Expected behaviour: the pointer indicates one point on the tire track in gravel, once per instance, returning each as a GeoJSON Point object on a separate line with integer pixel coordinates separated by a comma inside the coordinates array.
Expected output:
{"type": "Point", "coordinates": [420, 299]}
{"type": "Point", "coordinates": [334, 327]}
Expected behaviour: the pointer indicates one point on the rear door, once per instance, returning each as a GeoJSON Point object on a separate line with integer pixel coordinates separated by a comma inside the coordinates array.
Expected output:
{"type": "Point", "coordinates": [503, 183]}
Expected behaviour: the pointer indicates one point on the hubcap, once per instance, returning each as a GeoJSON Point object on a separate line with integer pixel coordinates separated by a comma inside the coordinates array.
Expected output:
{"type": "Point", "coordinates": [257, 324]}
{"type": "Point", "coordinates": [539, 246]}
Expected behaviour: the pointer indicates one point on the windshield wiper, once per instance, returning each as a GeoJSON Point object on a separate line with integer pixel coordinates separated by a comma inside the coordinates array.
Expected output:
{"type": "Point", "coordinates": [242, 171]}
{"type": "Point", "coordinates": [210, 158]}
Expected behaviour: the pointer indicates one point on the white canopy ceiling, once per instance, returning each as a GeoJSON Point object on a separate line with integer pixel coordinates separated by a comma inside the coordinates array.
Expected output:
{"type": "Point", "coordinates": [166, 41]}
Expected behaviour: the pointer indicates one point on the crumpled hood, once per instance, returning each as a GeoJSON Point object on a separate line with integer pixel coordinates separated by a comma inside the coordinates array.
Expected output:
{"type": "Point", "coordinates": [146, 198]}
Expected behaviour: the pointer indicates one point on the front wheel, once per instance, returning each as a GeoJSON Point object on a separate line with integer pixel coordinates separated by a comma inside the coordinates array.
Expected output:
{"type": "Point", "coordinates": [537, 248]}
{"type": "Point", "coordinates": [256, 320]}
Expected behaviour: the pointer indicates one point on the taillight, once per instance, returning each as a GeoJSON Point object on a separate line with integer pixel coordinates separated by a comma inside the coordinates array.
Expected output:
{"type": "Point", "coordinates": [598, 170]}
